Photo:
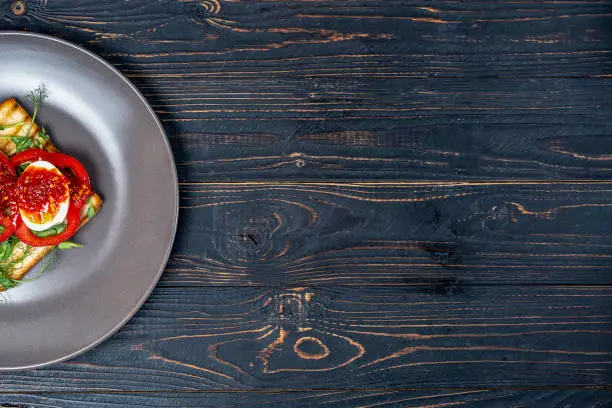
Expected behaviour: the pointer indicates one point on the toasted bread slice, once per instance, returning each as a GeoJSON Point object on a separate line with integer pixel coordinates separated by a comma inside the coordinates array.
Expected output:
{"type": "Point", "coordinates": [11, 112]}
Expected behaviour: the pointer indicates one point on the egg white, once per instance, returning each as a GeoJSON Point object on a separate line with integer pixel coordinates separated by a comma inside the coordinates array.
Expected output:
{"type": "Point", "coordinates": [60, 217]}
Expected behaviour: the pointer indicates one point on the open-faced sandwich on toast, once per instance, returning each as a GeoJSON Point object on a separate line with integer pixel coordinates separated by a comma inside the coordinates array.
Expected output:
{"type": "Point", "coordinates": [45, 196]}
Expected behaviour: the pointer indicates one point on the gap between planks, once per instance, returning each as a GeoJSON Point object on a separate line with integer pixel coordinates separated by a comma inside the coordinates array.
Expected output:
{"type": "Point", "coordinates": [303, 390]}
{"type": "Point", "coordinates": [170, 285]}
{"type": "Point", "coordinates": [377, 183]}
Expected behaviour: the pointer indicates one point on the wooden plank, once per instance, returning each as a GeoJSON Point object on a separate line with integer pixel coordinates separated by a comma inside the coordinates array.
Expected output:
{"type": "Point", "coordinates": [383, 338]}
{"type": "Point", "coordinates": [333, 399]}
{"type": "Point", "coordinates": [388, 128]}
{"type": "Point", "coordinates": [392, 233]}
{"type": "Point", "coordinates": [340, 38]}
{"type": "Point", "coordinates": [360, 90]}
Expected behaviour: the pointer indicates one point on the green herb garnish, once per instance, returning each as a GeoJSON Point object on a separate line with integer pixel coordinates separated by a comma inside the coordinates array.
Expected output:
{"type": "Point", "coordinates": [90, 210]}
{"type": "Point", "coordinates": [12, 125]}
{"type": "Point", "coordinates": [7, 268]}
{"type": "Point", "coordinates": [69, 245]}
{"type": "Point", "coordinates": [41, 138]}
{"type": "Point", "coordinates": [8, 283]}
{"type": "Point", "coordinates": [50, 261]}
{"type": "Point", "coordinates": [36, 96]}
{"type": "Point", "coordinates": [8, 265]}
{"type": "Point", "coordinates": [6, 249]}
{"type": "Point", "coordinates": [23, 142]}
{"type": "Point", "coordinates": [57, 229]}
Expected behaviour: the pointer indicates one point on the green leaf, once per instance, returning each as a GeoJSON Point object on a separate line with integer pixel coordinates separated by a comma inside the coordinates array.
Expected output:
{"type": "Point", "coordinates": [69, 245]}
{"type": "Point", "coordinates": [57, 229]}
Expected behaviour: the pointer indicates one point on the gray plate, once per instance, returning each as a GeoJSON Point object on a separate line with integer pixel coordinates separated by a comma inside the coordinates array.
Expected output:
{"type": "Point", "coordinates": [98, 116]}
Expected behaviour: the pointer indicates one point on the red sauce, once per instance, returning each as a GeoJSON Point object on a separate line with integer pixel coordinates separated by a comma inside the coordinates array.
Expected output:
{"type": "Point", "coordinates": [78, 190]}
{"type": "Point", "coordinates": [39, 193]}
{"type": "Point", "coordinates": [7, 185]}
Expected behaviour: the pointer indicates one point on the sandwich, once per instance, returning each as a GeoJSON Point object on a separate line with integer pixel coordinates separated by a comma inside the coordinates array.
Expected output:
{"type": "Point", "coordinates": [45, 195]}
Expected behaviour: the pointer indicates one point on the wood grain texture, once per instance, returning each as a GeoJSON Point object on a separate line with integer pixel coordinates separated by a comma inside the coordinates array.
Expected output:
{"type": "Point", "coordinates": [373, 37]}
{"type": "Point", "coordinates": [428, 130]}
{"type": "Point", "coordinates": [445, 336]}
{"type": "Point", "coordinates": [274, 234]}
{"type": "Point", "coordinates": [383, 203]}
{"type": "Point", "coordinates": [333, 399]}
{"type": "Point", "coordinates": [360, 89]}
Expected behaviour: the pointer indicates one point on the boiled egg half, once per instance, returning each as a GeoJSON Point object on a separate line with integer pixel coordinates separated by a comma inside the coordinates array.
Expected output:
{"type": "Point", "coordinates": [43, 196]}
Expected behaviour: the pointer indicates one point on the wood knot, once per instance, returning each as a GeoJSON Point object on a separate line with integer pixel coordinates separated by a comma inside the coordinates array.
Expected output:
{"type": "Point", "coordinates": [202, 10]}
{"type": "Point", "coordinates": [252, 242]}
{"type": "Point", "coordinates": [19, 8]}
{"type": "Point", "coordinates": [251, 237]}
{"type": "Point", "coordinates": [257, 230]}
{"type": "Point", "coordinates": [307, 351]}
{"type": "Point", "coordinates": [211, 6]}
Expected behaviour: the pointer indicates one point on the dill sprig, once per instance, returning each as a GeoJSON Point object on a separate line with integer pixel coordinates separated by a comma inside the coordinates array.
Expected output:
{"type": "Point", "coordinates": [36, 96]}
{"type": "Point", "coordinates": [50, 261]}
{"type": "Point", "coordinates": [24, 141]}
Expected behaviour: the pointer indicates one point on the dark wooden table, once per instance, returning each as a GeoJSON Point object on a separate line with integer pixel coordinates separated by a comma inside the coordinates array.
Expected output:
{"type": "Point", "coordinates": [383, 203]}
